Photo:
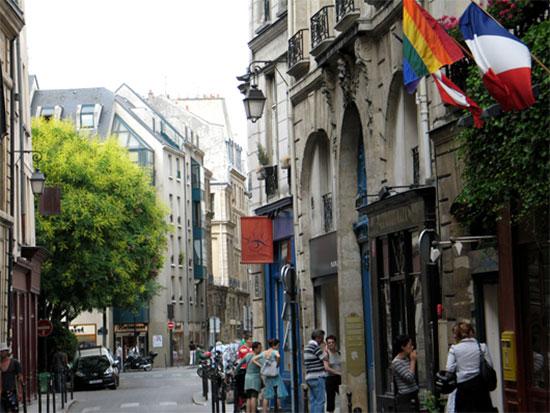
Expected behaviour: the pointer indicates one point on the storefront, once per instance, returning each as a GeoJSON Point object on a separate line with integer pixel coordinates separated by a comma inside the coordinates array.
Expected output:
{"type": "Point", "coordinates": [131, 329]}
{"type": "Point", "coordinates": [405, 287]}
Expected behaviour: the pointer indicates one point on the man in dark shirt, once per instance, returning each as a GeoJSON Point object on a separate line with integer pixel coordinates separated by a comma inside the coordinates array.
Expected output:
{"type": "Point", "coordinates": [12, 380]}
{"type": "Point", "coordinates": [59, 363]}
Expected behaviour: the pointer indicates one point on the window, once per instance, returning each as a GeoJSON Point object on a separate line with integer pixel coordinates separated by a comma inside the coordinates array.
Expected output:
{"type": "Point", "coordinates": [178, 170]}
{"type": "Point", "coordinates": [266, 10]}
{"type": "Point", "coordinates": [170, 166]}
{"type": "Point", "coordinates": [47, 113]}
{"type": "Point", "coordinates": [87, 116]}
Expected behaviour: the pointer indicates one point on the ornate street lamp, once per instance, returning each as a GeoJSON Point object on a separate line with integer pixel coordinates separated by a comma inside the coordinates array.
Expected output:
{"type": "Point", "coordinates": [254, 103]}
{"type": "Point", "coordinates": [38, 182]}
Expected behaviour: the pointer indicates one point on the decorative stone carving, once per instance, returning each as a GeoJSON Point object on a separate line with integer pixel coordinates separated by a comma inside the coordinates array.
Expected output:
{"type": "Point", "coordinates": [347, 77]}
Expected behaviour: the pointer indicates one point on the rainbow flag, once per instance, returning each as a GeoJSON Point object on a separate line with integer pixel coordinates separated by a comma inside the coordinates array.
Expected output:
{"type": "Point", "coordinates": [426, 45]}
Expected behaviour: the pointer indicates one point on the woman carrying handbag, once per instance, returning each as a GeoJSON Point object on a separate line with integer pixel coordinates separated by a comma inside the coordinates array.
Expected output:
{"type": "Point", "coordinates": [465, 359]}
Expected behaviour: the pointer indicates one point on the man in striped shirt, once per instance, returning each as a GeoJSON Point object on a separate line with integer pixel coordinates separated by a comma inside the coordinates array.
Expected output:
{"type": "Point", "coordinates": [315, 361]}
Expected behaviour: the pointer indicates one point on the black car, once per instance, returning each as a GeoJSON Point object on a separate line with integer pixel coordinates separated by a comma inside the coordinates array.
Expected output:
{"type": "Point", "coordinates": [96, 369]}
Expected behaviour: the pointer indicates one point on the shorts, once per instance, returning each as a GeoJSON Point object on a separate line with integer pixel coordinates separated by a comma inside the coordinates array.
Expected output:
{"type": "Point", "coordinates": [251, 393]}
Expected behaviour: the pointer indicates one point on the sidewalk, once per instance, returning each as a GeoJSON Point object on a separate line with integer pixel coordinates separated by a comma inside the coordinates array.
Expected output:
{"type": "Point", "coordinates": [33, 408]}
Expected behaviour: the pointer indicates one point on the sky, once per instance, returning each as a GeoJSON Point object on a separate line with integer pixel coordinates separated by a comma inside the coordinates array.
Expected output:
{"type": "Point", "coordinates": [186, 48]}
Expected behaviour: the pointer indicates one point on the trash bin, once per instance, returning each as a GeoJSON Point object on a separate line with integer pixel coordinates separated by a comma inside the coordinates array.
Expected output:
{"type": "Point", "coordinates": [43, 380]}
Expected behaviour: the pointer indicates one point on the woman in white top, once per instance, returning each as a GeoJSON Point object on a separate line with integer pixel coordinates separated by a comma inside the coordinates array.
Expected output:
{"type": "Point", "coordinates": [463, 358]}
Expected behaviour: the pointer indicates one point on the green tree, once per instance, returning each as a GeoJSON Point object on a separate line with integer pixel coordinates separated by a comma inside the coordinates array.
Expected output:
{"type": "Point", "coordinates": [107, 244]}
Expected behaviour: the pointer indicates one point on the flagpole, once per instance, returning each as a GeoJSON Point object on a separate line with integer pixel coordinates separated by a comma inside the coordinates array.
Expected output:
{"type": "Point", "coordinates": [535, 58]}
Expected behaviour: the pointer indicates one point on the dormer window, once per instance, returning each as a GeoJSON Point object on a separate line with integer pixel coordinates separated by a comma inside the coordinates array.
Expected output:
{"type": "Point", "coordinates": [47, 113]}
{"type": "Point", "coordinates": [87, 117]}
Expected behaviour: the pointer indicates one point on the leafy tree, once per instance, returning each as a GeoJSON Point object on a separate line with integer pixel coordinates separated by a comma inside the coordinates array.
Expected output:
{"type": "Point", "coordinates": [107, 244]}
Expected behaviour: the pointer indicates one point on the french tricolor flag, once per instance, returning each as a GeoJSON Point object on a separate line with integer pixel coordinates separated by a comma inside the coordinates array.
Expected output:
{"type": "Point", "coordinates": [504, 60]}
{"type": "Point", "coordinates": [452, 95]}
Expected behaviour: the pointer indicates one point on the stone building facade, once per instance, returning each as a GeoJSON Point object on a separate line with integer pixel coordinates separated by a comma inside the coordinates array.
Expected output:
{"type": "Point", "coordinates": [20, 258]}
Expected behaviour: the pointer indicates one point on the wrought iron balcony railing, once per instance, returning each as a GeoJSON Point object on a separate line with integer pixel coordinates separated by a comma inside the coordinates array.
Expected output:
{"type": "Point", "coordinates": [298, 60]}
{"type": "Point", "coordinates": [322, 24]}
{"type": "Point", "coordinates": [346, 13]}
{"type": "Point", "coordinates": [327, 211]}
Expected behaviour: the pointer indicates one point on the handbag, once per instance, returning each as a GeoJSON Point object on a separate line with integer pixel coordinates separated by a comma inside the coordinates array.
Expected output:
{"type": "Point", "coordinates": [445, 381]}
{"type": "Point", "coordinates": [487, 373]}
{"type": "Point", "coordinates": [269, 368]}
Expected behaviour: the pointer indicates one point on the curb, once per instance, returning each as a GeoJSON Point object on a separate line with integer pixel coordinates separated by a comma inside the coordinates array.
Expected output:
{"type": "Point", "coordinates": [70, 404]}
{"type": "Point", "coordinates": [199, 400]}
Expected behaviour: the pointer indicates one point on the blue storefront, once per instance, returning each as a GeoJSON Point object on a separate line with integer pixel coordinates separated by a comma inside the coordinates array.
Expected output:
{"type": "Point", "coordinates": [277, 314]}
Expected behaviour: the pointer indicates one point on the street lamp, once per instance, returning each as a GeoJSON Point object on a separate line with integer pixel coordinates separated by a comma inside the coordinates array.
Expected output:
{"type": "Point", "coordinates": [254, 103]}
{"type": "Point", "coordinates": [38, 182]}
{"type": "Point", "coordinates": [254, 100]}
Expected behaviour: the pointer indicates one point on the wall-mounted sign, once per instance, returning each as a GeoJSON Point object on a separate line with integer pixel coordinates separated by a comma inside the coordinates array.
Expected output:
{"type": "Point", "coordinates": [83, 329]}
{"type": "Point", "coordinates": [256, 240]}
{"type": "Point", "coordinates": [355, 345]}
{"type": "Point", "coordinates": [323, 255]}
{"type": "Point", "coordinates": [157, 341]}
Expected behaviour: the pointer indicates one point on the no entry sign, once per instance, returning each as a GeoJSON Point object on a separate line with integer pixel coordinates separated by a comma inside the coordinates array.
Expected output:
{"type": "Point", "coordinates": [171, 325]}
{"type": "Point", "coordinates": [44, 328]}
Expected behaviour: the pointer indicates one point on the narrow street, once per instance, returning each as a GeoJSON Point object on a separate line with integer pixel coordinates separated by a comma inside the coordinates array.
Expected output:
{"type": "Point", "coordinates": [160, 390]}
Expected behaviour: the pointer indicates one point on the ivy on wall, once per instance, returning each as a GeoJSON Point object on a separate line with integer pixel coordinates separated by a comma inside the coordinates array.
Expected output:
{"type": "Point", "coordinates": [507, 162]}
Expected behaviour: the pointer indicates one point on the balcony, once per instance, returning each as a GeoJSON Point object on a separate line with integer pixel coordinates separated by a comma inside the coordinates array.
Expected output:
{"type": "Point", "coordinates": [322, 29]}
{"type": "Point", "coordinates": [346, 14]}
{"type": "Point", "coordinates": [298, 53]}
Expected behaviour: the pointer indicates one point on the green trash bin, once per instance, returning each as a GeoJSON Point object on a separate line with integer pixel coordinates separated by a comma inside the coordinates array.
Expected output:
{"type": "Point", "coordinates": [43, 379]}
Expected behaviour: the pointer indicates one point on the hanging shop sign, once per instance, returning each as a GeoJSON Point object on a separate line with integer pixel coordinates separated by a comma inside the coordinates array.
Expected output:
{"type": "Point", "coordinates": [256, 240]}
{"type": "Point", "coordinates": [323, 256]}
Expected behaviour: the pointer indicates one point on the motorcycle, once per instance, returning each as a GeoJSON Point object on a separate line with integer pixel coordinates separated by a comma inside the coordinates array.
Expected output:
{"type": "Point", "coordinates": [137, 362]}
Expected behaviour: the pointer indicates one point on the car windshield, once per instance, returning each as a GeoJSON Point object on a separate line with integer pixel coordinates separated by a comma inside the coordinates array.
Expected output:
{"type": "Point", "coordinates": [93, 362]}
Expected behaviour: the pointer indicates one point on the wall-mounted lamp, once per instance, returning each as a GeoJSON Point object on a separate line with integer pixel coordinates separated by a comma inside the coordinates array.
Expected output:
{"type": "Point", "coordinates": [38, 180]}
{"type": "Point", "coordinates": [254, 100]}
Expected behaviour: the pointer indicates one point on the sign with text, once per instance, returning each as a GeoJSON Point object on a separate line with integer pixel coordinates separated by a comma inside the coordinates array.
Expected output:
{"type": "Point", "coordinates": [355, 345]}
{"type": "Point", "coordinates": [256, 240]}
{"type": "Point", "coordinates": [157, 341]}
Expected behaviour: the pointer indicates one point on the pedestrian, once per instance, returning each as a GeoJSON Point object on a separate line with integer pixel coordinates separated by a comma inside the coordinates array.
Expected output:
{"type": "Point", "coordinates": [252, 381]}
{"type": "Point", "coordinates": [404, 374]}
{"type": "Point", "coordinates": [334, 372]}
{"type": "Point", "coordinates": [315, 362]}
{"type": "Point", "coordinates": [60, 362]}
{"type": "Point", "coordinates": [472, 394]}
{"type": "Point", "coordinates": [244, 350]}
{"type": "Point", "coordinates": [12, 380]}
{"type": "Point", "coordinates": [274, 385]}
{"type": "Point", "coordinates": [192, 353]}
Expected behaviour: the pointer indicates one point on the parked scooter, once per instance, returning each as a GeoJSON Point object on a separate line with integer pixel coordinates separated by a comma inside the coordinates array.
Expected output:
{"type": "Point", "coordinates": [136, 362]}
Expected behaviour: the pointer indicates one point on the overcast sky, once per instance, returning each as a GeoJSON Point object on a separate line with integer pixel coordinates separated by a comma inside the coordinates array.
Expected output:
{"type": "Point", "coordinates": [185, 47]}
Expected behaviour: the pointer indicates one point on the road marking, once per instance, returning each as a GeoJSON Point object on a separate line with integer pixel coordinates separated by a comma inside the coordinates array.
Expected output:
{"type": "Point", "coordinates": [168, 404]}
{"type": "Point", "coordinates": [128, 405]}
{"type": "Point", "coordinates": [91, 409]}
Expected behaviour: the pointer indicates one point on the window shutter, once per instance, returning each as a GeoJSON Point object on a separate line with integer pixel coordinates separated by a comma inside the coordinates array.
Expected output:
{"type": "Point", "coordinates": [77, 120]}
{"type": "Point", "coordinates": [57, 112]}
{"type": "Point", "coordinates": [97, 114]}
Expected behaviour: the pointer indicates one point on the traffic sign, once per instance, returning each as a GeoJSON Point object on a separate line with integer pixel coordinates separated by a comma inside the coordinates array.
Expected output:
{"type": "Point", "coordinates": [171, 325]}
{"type": "Point", "coordinates": [44, 328]}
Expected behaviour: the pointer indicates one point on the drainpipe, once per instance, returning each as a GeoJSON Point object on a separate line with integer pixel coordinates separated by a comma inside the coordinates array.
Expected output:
{"type": "Point", "coordinates": [11, 234]}
{"type": "Point", "coordinates": [422, 101]}
{"type": "Point", "coordinates": [22, 177]}
{"type": "Point", "coordinates": [295, 398]}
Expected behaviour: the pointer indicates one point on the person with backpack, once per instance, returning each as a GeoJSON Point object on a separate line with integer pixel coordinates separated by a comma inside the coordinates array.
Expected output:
{"type": "Point", "coordinates": [404, 374]}
{"type": "Point", "coordinates": [465, 358]}
{"type": "Point", "coordinates": [274, 386]}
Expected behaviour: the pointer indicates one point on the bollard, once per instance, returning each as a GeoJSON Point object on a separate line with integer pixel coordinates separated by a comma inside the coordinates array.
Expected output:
{"type": "Point", "coordinates": [72, 384]}
{"type": "Point", "coordinates": [276, 398]}
{"type": "Point", "coordinates": [204, 386]}
{"type": "Point", "coordinates": [48, 395]}
{"type": "Point", "coordinates": [24, 397]}
{"type": "Point", "coordinates": [348, 394]}
{"type": "Point", "coordinates": [39, 396]}
{"type": "Point", "coordinates": [222, 394]}
{"type": "Point", "coordinates": [52, 389]}
{"type": "Point", "coordinates": [60, 384]}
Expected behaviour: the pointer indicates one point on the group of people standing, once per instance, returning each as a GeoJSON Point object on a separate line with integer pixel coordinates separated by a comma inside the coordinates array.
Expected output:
{"type": "Point", "coordinates": [471, 394]}
{"type": "Point", "coordinates": [251, 376]}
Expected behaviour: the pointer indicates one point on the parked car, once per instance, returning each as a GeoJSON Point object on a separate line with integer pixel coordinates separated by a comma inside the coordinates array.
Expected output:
{"type": "Point", "coordinates": [95, 367]}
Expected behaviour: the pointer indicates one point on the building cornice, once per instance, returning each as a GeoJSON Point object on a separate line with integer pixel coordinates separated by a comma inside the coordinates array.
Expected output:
{"type": "Point", "coordinates": [269, 33]}
{"type": "Point", "coordinates": [11, 17]}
